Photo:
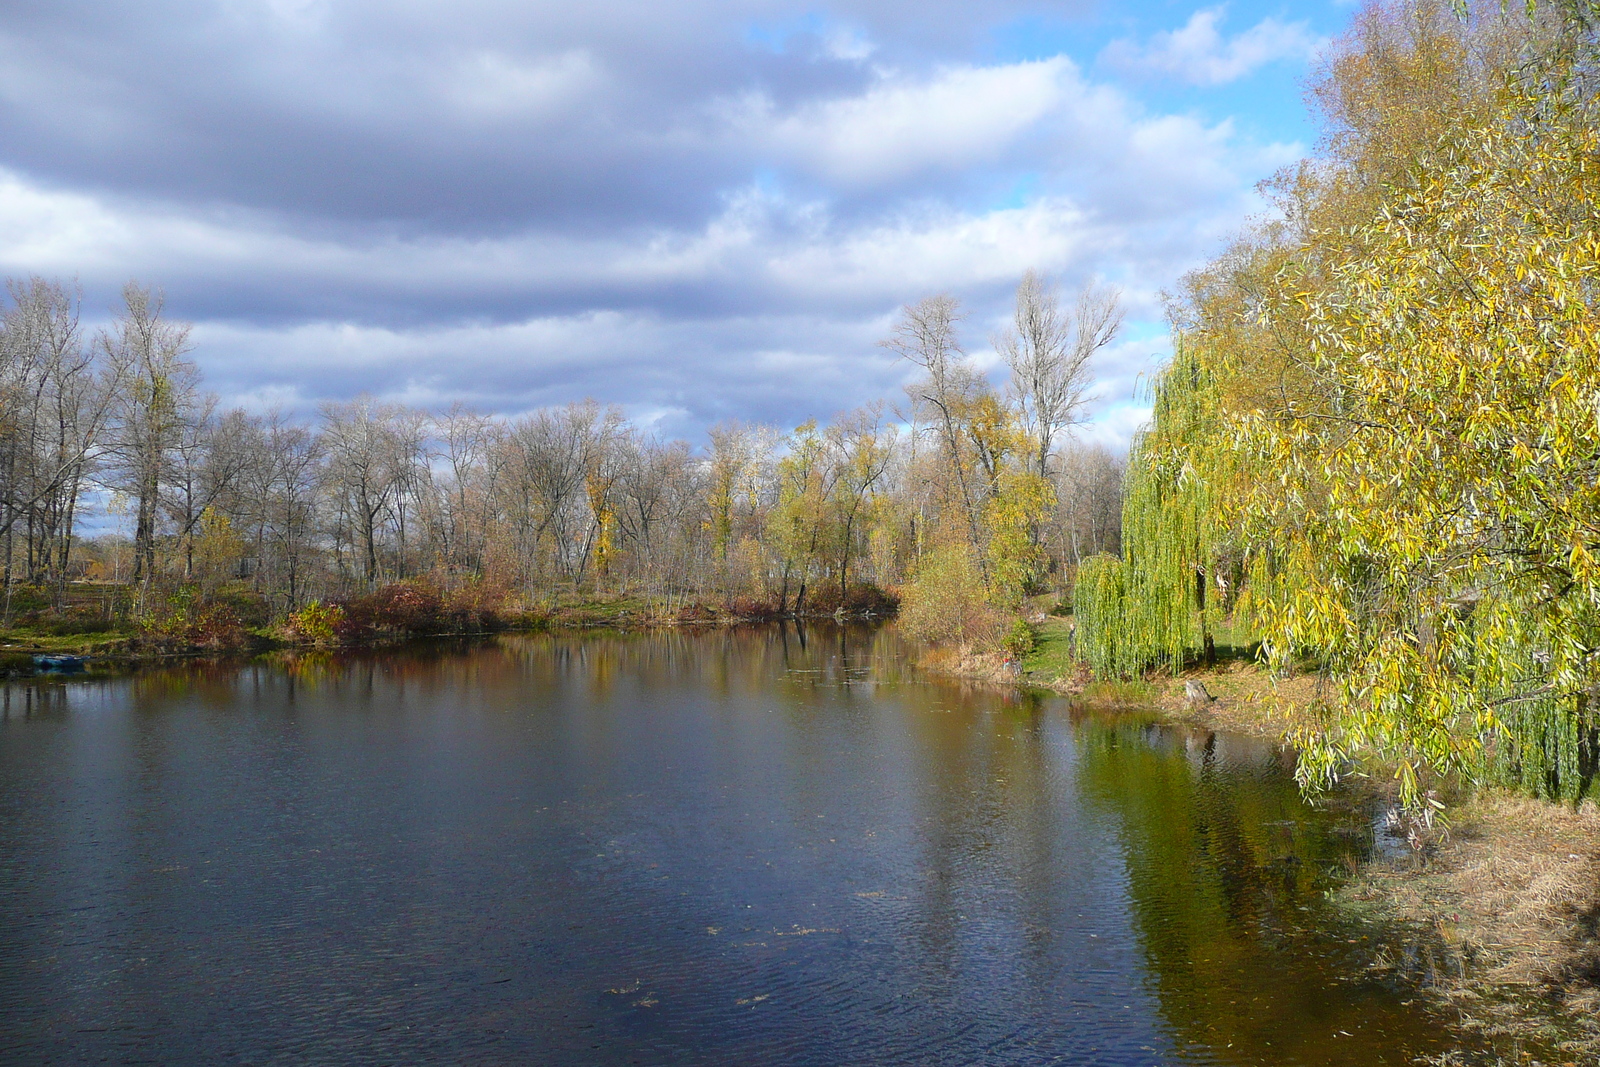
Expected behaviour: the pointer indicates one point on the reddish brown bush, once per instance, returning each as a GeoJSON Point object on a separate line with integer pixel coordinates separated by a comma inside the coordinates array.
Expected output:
{"type": "Point", "coordinates": [217, 626]}
{"type": "Point", "coordinates": [353, 623]}
{"type": "Point", "coordinates": [475, 606]}
{"type": "Point", "coordinates": [186, 620]}
{"type": "Point", "coordinates": [406, 607]}
{"type": "Point", "coordinates": [750, 608]}
{"type": "Point", "coordinates": [697, 613]}
{"type": "Point", "coordinates": [412, 608]}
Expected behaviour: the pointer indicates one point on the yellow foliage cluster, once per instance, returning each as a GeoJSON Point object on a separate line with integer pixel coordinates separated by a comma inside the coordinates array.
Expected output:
{"type": "Point", "coordinates": [1400, 450]}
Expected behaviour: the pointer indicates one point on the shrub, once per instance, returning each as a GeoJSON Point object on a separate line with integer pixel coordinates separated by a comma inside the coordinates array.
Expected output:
{"type": "Point", "coordinates": [476, 605]}
{"type": "Point", "coordinates": [398, 608]}
{"type": "Point", "coordinates": [251, 608]}
{"type": "Point", "coordinates": [317, 623]}
{"type": "Point", "coordinates": [1020, 642]}
{"type": "Point", "coordinates": [187, 619]}
{"type": "Point", "coordinates": [741, 607]}
{"type": "Point", "coordinates": [405, 607]}
{"type": "Point", "coordinates": [216, 625]}
{"type": "Point", "coordinates": [354, 625]}
{"type": "Point", "coordinates": [696, 612]}
{"type": "Point", "coordinates": [945, 601]}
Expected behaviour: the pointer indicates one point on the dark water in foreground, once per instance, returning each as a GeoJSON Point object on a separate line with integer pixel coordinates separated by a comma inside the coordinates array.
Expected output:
{"type": "Point", "coordinates": [726, 848]}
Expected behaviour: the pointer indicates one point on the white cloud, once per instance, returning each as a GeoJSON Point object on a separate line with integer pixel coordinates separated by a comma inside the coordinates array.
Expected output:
{"type": "Point", "coordinates": [493, 85]}
{"type": "Point", "coordinates": [676, 375]}
{"type": "Point", "coordinates": [941, 249]}
{"type": "Point", "coordinates": [959, 117]}
{"type": "Point", "coordinates": [763, 245]}
{"type": "Point", "coordinates": [1198, 53]}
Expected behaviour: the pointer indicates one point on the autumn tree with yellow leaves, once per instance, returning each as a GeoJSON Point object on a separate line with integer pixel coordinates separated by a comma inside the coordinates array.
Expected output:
{"type": "Point", "coordinates": [1384, 421]}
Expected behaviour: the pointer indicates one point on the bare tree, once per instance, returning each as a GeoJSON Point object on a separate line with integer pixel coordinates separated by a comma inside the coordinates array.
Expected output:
{"type": "Point", "coordinates": [661, 502]}
{"type": "Point", "coordinates": [1088, 485]}
{"type": "Point", "coordinates": [926, 336]}
{"type": "Point", "coordinates": [209, 458]}
{"type": "Point", "coordinates": [362, 476]}
{"type": "Point", "coordinates": [54, 406]}
{"type": "Point", "coordinates": [469, 441]}
{"type": "Point", "coordinates": [293, 476]}
{"type": "Point", "coordinates": [155, 403]}
{"type": "Point", "coordinates": [1048, 351]}
{"type": "Point", "coordinates": [862, 452]}
{"type": "Point", "coordinates": [549, 458]}
{"type": "Point", "coordinates": [412, 482]}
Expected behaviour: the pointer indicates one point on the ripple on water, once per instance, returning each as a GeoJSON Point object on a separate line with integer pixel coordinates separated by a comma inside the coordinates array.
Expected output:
{"type": "Point", "coordinates": [724, 848]}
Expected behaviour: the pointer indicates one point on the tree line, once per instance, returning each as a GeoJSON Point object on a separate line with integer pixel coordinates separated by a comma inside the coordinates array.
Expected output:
{"type": "Point", "coordinates": [1377, 447]}
{"type": "Point", "coordinates": [574, 498]}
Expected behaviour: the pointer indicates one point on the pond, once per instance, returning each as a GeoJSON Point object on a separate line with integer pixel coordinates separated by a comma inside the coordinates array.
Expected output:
{"type": "Point", "coordinates": [755, 846]}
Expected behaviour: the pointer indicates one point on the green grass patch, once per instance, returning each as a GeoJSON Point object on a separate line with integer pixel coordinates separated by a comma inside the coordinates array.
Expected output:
{"type": "Point", "coordinates": [1234, 641]}
{"type": "Point", "coordinates": [29, 639]}
{"type": "Point", "coordinates": [578, 610]}
{"type": "Point", "coordinates": [1120, 693]}
{"type": "Point", "coordinates": [1051, 658]}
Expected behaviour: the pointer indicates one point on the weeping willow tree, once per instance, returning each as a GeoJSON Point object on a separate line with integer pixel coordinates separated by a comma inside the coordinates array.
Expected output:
{"type": "Point", "coordinates": [1100, 609]}
{"type": "Point", "coordinates": [1452, 455]}
{"type": "Point", "coordinates": [1158, 606]}
{"type": "Point", "coordinates": [1385, 417]}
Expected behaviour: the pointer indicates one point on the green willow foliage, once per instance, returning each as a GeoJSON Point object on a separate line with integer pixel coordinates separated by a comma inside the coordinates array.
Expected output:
{"type": "Point", "coordinates": [1169, 517]}
{"type": "Point", "coordinates": [1386, 420]}
{"type": "Point", "coordinates": [1100, 610]}
{"type": "Point", "coordinates": [1160, 604]}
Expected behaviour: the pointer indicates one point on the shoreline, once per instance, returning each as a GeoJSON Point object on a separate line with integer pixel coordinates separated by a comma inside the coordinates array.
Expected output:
{"type": "Point", "coordinates": [1510, 887]}
{"type": "Point", "coordinates": [116, 651]}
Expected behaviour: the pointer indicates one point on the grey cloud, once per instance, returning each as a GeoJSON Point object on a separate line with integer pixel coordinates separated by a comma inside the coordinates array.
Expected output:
{"type": "Point", "coordinates": [688, 373]}
{"type": "Point", "coordinates": [461, 117]}
{"type": "Point", "coordinates": [698, 210]}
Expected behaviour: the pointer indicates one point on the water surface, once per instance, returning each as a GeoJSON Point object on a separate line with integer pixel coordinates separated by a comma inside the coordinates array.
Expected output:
{"type": "Point", "coordinates": [759, 846]}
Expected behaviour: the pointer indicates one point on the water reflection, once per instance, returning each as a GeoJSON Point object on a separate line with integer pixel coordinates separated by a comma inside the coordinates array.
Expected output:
{"type": "Point", "coordinates": [761, 845]}
{"type": "Point", "coordinates": [1226, 871]}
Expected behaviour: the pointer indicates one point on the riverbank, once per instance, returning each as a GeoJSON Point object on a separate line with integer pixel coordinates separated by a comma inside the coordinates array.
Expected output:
{"type": "Point", "coordinates": [1511, 888]}
{"type": "Point", "coordinates": [119, 647]}
{"type": "Point", "coordinates": [1513, 894]}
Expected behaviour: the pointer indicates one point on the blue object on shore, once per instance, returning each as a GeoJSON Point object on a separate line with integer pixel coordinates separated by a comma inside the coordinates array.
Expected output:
{"type": "Point", "coordinates": [60, 663]}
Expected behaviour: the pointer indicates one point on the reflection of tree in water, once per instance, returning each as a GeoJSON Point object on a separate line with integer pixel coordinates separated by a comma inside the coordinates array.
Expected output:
{"type": "Point", "coordinates": [27, 700]}
{"type": "Point", "coordinates": [987, 818]}
{"type": "Point", "coordinates": [977, 820]}
{"type": "Point", "coordinates": [1226, 867]}
{"type": "Point", "coordinates": [722, 660]}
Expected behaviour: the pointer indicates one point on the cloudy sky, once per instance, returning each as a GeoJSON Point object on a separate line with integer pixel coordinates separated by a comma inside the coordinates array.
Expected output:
{"type": "Point", "coordinates": [699, 210]}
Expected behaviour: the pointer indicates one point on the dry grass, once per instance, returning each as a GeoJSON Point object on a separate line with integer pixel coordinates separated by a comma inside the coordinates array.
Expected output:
{"type": "Point", "coordinates": [1514, 891]}
{"type": "Point", "coordinates": [1120, 694]}
{"type": "Point", "coordinates": [964, 661]}
{"type": "Point", "coordinates": [1247, 699]}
